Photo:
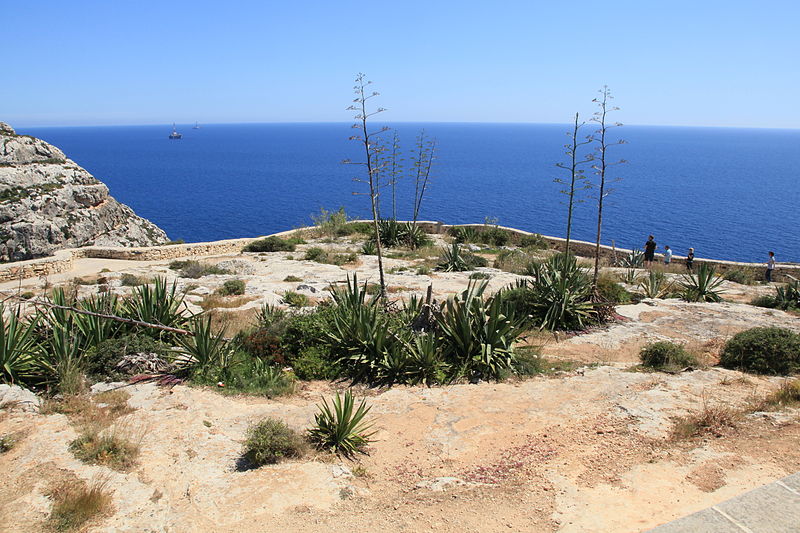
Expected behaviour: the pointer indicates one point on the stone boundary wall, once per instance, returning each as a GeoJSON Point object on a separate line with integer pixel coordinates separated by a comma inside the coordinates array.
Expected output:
{"type": "Point", "coordinates": [62, 260]}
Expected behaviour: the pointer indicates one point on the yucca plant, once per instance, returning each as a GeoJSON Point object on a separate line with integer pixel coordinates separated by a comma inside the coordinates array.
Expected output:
{"type": "Point", "coordinates": [426, 365]}
{"type": "Point", "coordinates": [206, 353]}
{"type": "Point", "coordinates": [17, 347]}
{"type": "Point", "coordinates": [655, 285]}
{"type": "Point", "coordinates": [369, 248]}
{"type": "Point", "coordinates": [60, 362]}
{"type": "Point", "coordinates": [414, 237]}
{"type": "Point", "coordinates": [94, 329]}
{"type": "Point", "coordinates": [702, 286]}
{"type": "Point", "coordinates": [341, 426]}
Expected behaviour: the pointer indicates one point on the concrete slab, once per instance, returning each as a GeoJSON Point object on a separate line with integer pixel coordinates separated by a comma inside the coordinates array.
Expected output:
{"type": "Point", "coordinates": [705, 521]}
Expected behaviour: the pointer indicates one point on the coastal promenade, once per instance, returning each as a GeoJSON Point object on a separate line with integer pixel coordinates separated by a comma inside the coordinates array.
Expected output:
{"type": "Point", "coordinates": [63, 261]}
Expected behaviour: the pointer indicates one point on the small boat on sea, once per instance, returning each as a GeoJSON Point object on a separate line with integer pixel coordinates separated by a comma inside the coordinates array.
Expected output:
{"type": "Point", "coordinates": [174, 134]}
{"type": "Point", "coordinates": [196, 126]}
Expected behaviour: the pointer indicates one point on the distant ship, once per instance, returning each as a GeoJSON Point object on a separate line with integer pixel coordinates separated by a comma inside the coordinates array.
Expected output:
{"type": "Point", "coordinates": [174, 134]}
{"type": "Point", "coordinates": [196, 126]}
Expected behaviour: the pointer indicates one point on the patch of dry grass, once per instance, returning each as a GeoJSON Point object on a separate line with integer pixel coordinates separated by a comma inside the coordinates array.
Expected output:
{"type": "Point", "coordinates": [218, 301]}
{"type": "Point", "coordinates": [84, 410]}
{"type": "Point", "coordinates": [787, 395]}
{"type": "Point", "coordinates": [715, 420]}
{"type": "Point", "coordinates": [76, 503]}
{"type": "Point", "coordinates": [232, 322]}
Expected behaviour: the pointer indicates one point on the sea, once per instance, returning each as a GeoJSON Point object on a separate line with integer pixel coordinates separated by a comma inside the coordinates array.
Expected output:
{"type": "Point", "coordinates": [729, 193]}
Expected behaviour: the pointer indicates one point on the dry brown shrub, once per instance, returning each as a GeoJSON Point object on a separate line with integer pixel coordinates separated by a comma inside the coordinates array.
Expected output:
{"type": "Point", "coordinates": [711, 419]}
{"type": "Point", "coordinates": [76, 503]}
{"type": "Point", "coordinates": [84, 410]}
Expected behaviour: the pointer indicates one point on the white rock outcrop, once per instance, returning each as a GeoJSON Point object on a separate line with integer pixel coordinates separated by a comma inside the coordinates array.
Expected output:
{"type": "Point", "coordinates": [48, 202]}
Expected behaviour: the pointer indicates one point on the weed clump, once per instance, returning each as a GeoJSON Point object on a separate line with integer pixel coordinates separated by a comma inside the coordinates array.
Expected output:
{"type": "Point", "coordinates": [131, 280]}
{"type": "Point", "coordinates": [76, 502]}
{"type": "Point", "coordinates": [295, 299]}
{"type": "Point", "coordinates": [712, 419]}
{"type": "Point", "coordinates": [232, 287]}
{"type": "Point", "coordinates": [763, 351]}
{"type": "Point", "coordinates": [271, 440]}
{"type": "Point", "coordinates": [273, 244]}
{"type": "Point", "coordinates": [110, 448]}
{"type": "Point", "coordinates": [665, 355]}
{"type": "Point", "coordinates": [195, 269]}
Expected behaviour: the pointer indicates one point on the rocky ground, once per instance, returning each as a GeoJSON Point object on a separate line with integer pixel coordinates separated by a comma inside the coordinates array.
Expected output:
{"type": "Point", "coordinates": [48, 202]}
{"type": "Point", "coordinates": [590, 449]}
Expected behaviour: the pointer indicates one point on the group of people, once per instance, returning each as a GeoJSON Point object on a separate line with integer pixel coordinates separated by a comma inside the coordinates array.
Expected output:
{"type": "Point", "coordinates": [650, 251]}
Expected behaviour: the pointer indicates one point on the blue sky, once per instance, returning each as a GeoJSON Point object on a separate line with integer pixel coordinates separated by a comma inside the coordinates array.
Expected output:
{"type": "Point", "coordinates": [709, 63]}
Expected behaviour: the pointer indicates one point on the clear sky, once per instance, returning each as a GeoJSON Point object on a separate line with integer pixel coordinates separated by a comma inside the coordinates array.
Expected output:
{"type": "Point", "coordinates": [698, 63]}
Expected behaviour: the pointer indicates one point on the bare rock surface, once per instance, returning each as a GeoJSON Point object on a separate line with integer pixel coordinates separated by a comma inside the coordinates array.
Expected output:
{"type": "Point", "coordinates": [48, 202]}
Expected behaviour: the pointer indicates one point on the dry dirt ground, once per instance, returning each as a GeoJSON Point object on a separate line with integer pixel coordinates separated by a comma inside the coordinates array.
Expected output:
{"type": "Point", "coordinates": [587, 450]}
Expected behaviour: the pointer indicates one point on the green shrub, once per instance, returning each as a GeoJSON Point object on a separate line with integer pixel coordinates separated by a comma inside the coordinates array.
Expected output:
{"type": "Point", "coordinates": [27, 295]}
{"type": "Point", "coordinates": [262, 344]}
{"type": "Point", "coordinates": [232, 287]}
{"type": "Point", "coordinates": [739, 275]}
{"type": "Point", "coordinates": [102, 360]}
{"type": "Point", "coordinates": [479, 275]}
{"type": "Point", "coordinates": [611, 291]}
{"type": "Point", "coordinates": [295, 299]}
{"type": "Point", "coordinates": [765, 300]}
{"type": "Point", "coordinates": [763, 351]}
{"type": "Point", "coordinates": [319, 255]}
{"type": "Point", "coordinates": [315, 253]}
{"type": "Point", "coordinates": [6, 443]}
{"type": "Point", "coordinates": [304, 330]}
{"type": "Point", "coordinates": [271, 440]}
{"type": "Point", "coordinates": [253, 375]}
{"type": "Point", "coordinates": [341, 426]}
{"type": "Point", "coordinates": [195, 269]}
{"type": "Point", "coordinates": [271, 244]}
{"type": "Point", "coordinates": [534, 242]}
{"type": "Point", "coordinates": [787, 297]}
{"type": "Point", "coordinates": [666, 355]}
{"type": "Point", "coordinates": [313, 363]}
{"type": "Point", "coordinates": [292, 279]}
{"type": "Point", "coordinates": [334, 223]}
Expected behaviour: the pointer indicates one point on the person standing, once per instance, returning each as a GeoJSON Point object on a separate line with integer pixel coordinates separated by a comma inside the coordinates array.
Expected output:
{"type": "Point", "coordinates": [770, 267]}
{"type": "Point", "coordinates": [649, 250]}
{"type": "Point", "coordinates": [690, 259]}
{"type": "Point", "coordinates": [667, 255]}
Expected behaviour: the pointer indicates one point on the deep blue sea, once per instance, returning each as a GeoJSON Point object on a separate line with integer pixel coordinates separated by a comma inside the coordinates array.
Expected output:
{"type": "Point", "coordinates": [729, 193]}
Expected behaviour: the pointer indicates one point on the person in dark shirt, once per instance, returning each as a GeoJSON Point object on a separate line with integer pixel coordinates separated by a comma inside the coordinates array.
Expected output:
{"type": "Point", "coordinates": [649, 250]}
{"type": "Point", "coordinates": [690, 259]}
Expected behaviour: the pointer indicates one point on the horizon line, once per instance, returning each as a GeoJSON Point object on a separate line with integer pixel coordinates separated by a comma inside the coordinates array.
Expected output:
{"type": "Point", "coordinates": [392, 122]}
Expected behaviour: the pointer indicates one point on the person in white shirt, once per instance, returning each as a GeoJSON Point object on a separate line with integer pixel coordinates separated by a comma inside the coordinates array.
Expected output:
{"type": "Point", "coordinates": [667, 255]}
{"type": "Point", "coordinates": [770, 267]}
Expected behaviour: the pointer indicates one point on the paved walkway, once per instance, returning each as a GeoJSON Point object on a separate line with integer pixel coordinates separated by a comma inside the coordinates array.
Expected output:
{"type": "Point", "coordinates": [773, 508]}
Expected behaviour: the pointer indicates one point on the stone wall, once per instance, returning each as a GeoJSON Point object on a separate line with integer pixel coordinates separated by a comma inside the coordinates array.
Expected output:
{"type": "Point", "coordinates": [62, 260]}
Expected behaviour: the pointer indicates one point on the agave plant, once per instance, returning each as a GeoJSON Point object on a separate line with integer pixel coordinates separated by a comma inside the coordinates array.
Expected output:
{"type": "Point", "coordinates": [655, 285]}
{"type": "Point", "coordinates": [369, 248]}
{"type": "Point", "coordinates": [788, 297]}
{"type": "Point", "coordinates": [453, 259]}
{"type": "Point", "coordinates": [464, 234]}
{"type": "Point", "coordinates": [61, 359]}
{"type": "Point", "coordinates": [95, 329]}
{"type": "Point", "coordinates": [341, 426]}
{"type": "Point", "coordinates": [205, 353]}
{"type": "Point", "coordinates": [702, 286]}
{"type": "Point", "coordinates": [157, 304]}
{"type": "Point", "coordinates": [635, 259]}
{"type": "Point", "coordinates": [413, 236]}
{"type": "Point", "coordinates": [17, 347]}
{"type": "Point", "coordinates": [559, 295]}
{"type": "Point", "coordinates": [426, 365]}
{"type": "Point", "coordinates": [477, 335]}
{"type": "Point", "coordinates": [630, 276]}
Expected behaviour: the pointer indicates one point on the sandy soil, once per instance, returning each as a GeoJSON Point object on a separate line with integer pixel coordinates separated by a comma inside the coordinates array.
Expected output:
{"type": "Point", "coordinates": [588, 450]}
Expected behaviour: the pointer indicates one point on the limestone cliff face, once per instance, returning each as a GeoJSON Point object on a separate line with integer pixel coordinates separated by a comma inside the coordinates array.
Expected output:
{"type": "Point", "coordinates": [48, 202]}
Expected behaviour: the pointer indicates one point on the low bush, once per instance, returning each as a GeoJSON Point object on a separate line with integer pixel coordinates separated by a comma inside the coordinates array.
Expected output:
{"type": "Point", "coordinates": [611, 291]}
{"type": "Point", "coordinates": [763, 351]}
{"type": "Point", "coordinates": [320, 255]}
{"type": "Point", "coordinates": [272, 244]}
{"type": "Point", "coordinates": [131, 280]}
{"type": "Point", "coordinates": [252, 375]}
{"type": "Point", "coordinates": [6, 443]}
{"type": "Point", "coordinates": [271, 440]}
{"type": "Point", "coordinates": [292, 279]}
{"type": "Point", "coordinates": [665, 355]}
{"type": "Point", "coordinates": [787, 395]}
{"type": "Point", "coordinates": [75, 503]}
{"type": "Point", "coordinates": [313, 363]}
{"type": "Point", "coordinates": [106, 361]}
{"type": "Point", "coordinates": [479, 275]}
{"type": "Point", "coordinates": [534, 242]}
{"type": "Point", "coordinates": [369, 248]}
{"type": "Point", "coordinates": [739, 275]}
{"type": "Point", "coordinates": [195, 269]}
{"type": "Point", "coordinates": [295, 299]}
{"type": "Point", "coordinates": [232, 287]}
{"type": "Point", "coordinates": [341, 425]}
{"type": "Point", "coordinates": [263, 344]}
{"type": "Point", "coordinates": [765, 300]}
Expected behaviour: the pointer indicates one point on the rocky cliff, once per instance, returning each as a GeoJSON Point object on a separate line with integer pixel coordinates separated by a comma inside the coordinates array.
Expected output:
{"type": "Point", "coordinates": [48, 202]}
